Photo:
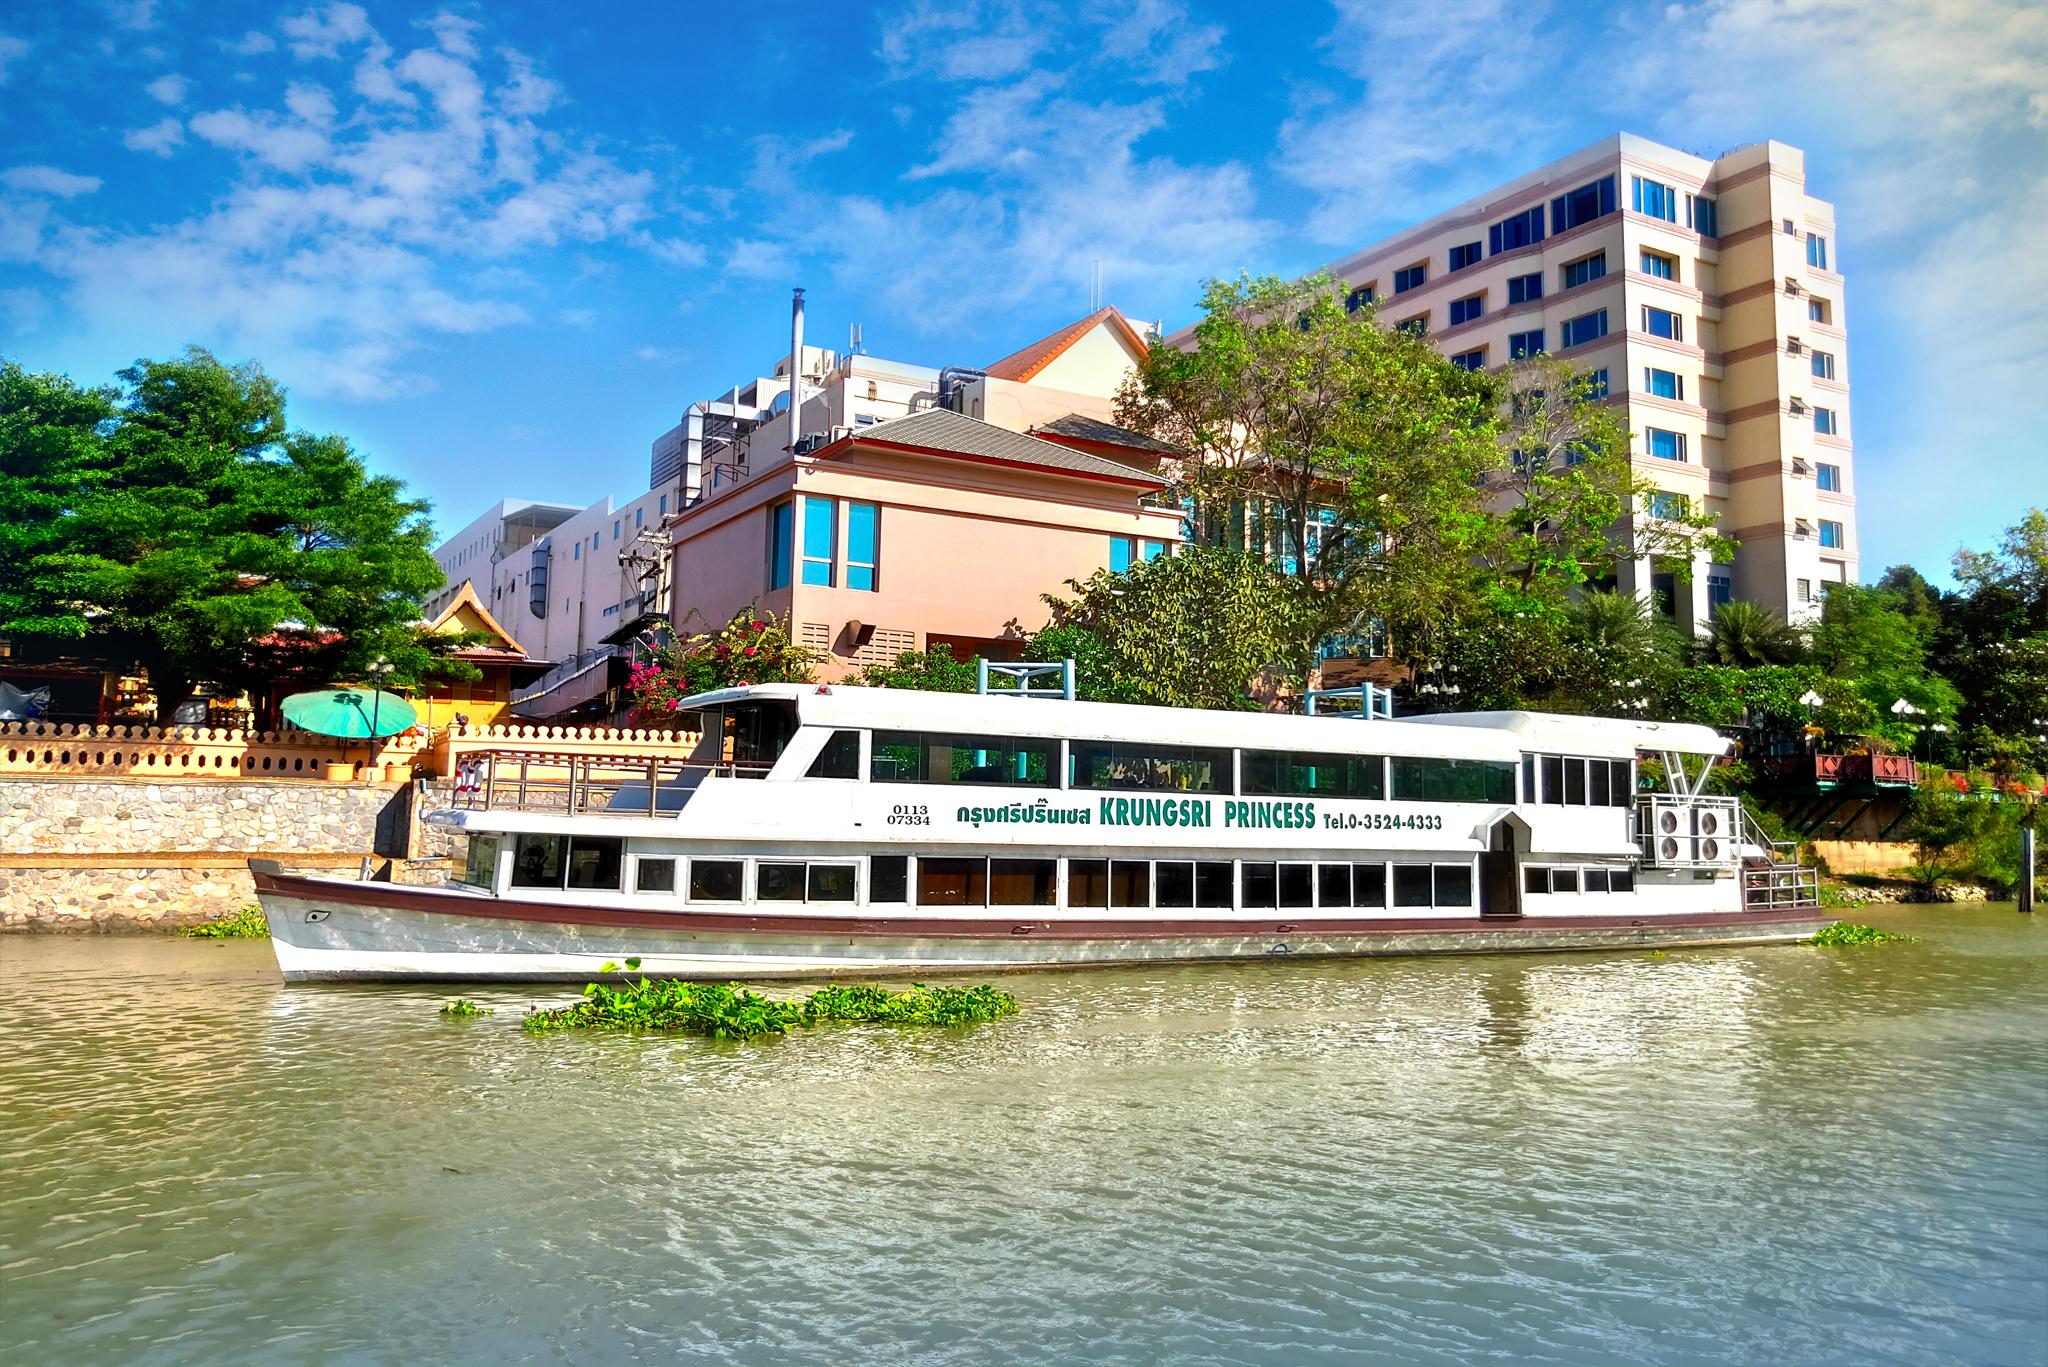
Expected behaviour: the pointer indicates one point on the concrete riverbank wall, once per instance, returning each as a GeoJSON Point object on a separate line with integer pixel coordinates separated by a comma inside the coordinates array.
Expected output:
{"type": "Point", "coordinates": [81, 854]}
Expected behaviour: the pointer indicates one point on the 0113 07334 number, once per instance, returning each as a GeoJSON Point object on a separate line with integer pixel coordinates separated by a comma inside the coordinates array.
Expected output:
{"type": "Point", "coordinates": [910, 814]}
{"type": "Point", "coordinates": [1381, 821]}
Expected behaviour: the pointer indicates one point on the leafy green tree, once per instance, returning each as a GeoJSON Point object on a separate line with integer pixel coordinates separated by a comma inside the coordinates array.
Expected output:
{"type": "Point", "coordinates": [932, 671]}
{"type": "Point", "coordinates": [1744, 635]}
{"type": "Point", "coordinates": [178, 523]}
{"type": "Point", "coordinates": [1189, 630]}
{"type": "Point", "coordinates": [1993, 641]}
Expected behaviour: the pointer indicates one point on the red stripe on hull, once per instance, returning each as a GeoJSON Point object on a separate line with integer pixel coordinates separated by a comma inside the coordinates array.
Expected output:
{"type": "Point", "coordinates": [399, 897]}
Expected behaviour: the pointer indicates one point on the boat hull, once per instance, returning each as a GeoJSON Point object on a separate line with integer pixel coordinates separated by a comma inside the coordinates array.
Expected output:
{"type": "Point", "coordinates": [332, 930]}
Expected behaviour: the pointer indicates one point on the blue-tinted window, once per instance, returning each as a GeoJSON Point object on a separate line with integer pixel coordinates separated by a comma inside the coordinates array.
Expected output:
{"type": "Point", "coordinates": [1521, 230]}
{"type": "Point", "coordinates": [821, 525]}
{"type": "Point", "coordinates": [1525, 343]}
{"type": "Point", "coordinates": [1828, 477]}
{"type": "Point", "coordinates": [1122, 552]}
{"type": "Point", "coordinates": [664, 505]}
{"type": "Point", "coordinates": [863, 545]}
{"type": "Point", "coordinates": [1417, 326]}
{"type": "Point", "coordinates": [1596, 383]}
{"type": "Point", "coordinates": [1654, 199]}
{"type": "Point", "coordinates": [1665, 445]}
{"type": "Point", "coordinates": [1823, 365]}
{"type": "Point", "coordinates": [1410, 277]}
{"type": "Point", "coordinates": [1587, 327]}
{"type": "Point", "coordinates": [1465, 310]}
{"type": "Point", "coordinates": [1466, 254]}
{"type": "Point", "coordinates": [1470, 360]}
{"type": "Point", "coordinates": [1824, 422]}
{"type": "Point", "coordinates": [1720, 589]}
{"type": "Point", "coordinates": [1817, 311]}
{"type": "Point", "coordinates": [1816, 250]}
{"type": "Point", "coordinates": [1665, 384]}
{"type": "Point", "coordinates": [781, 543]}
{"type": "Point", "coordinates": [1706, 219]}
{"type": "Point", "coordinates": [1668, 505]}
{"type": "Point", "coordinates": [1359, 298]}
{"type": "Point", "coordinates": [1585, 272]}
{"type": "Point", "coordinates": [1659, 265]}
{"type": "Point", "coordinates": [1831, 535]}
{"type": "Point", "coordinates": [1662, 323]}
{"type": "Point", "coordinates": [1524, 288]}
{"type": "Point", "coordinates": [1595, 199]}
{"type": "Point", "coordinates": [577, 553]}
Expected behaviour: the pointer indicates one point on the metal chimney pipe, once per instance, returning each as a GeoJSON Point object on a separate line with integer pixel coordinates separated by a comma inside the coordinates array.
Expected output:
{"type": "Point", "coordinates": [796, 366]}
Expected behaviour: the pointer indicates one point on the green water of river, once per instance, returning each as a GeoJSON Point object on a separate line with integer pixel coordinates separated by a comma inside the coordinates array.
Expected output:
{"type": "Point", "coordinates": [1776, 1155]}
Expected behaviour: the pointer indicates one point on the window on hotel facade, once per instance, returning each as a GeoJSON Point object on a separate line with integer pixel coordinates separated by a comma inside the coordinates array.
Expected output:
{"type": "Point", "coordinates": [1665, 445]}
{"type": "Point", "coordinates": [1816, 251]}
{"type": "Point", "coordinates": [1669, 506]}
{"type": "Point", "coordinates": [1586, 271]}
{"type": "Point", "coordinates": [1831, 535]}
{"type": "Point", "coordinates": [932, 757]}
{"type": "Point", "coordinates": [1418, 326]}
{"type": "Point", "coordinates": [1657, 264]}
{"type": "Point", "coordinates": [1703, 215]}
{"type": "Point", "coordinates": [1519, 230]}
{"type": "Point", "coordinates": [1467, 309]}
{"type": "Point", "coordinates": [1150, 768]}
{"type": "Point", "coordinates": [1126, 551]}
{"type": "Point", "coordinates": [1594, 199]}
{"type": "Point", "coordinates": [1596, 388]}
{"type": "Point", "coordinates": [1827, 478]}
{"type": "Point", "coordinates": [1587, 327]}
{"type": "Point", "coordinates": [781, 543]}
{"type": "Point", "coordinates": [576, 551]}
{"type": "Point", "coordinates": [1663, 323]}
{"type": "Point", "coordinates": [1803, 590]}
{"type": "Point", "coordinates": [1470, 360]}
{"type": "Point", "coordinates": [1665, 384]}
{"type": "Point", "coordinates": [1824, 421]}
{"type": "Point", "coordinates": [1654, 199]}
{"type": "Point", "coordinates": [1522, 344]}
{"type": "Point", "coordinates": [664, 505]}
{"type": "Point", "coordinates": [821, 536]}
{"type": "Point", "coordinates": [1720, 589]}
{"type": "Point", "coordinates": [1819, 310]}
{"type": "Point", "coordinates": [1410, 277]}
{"type": "Point", "coordinates": [1360, 297]}
{"type": "Point", "coordinates": [1463, 255]}
{"type": "Point", "coordinates": [1283, 773]}
{"type": "Point", "coordinates": [863, 545]}
{"type": "Point", "coordinates": [1823, 365]}
{"type": "Point", "coordinates": [1524, 289]}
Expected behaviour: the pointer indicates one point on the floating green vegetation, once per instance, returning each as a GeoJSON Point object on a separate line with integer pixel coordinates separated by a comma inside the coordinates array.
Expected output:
{"type": "Point", "coordinates": [1843, 933]}
{"type": "Point", "coordinates": [731, 1011]}
{"type": "Point", "coordinates": [246, 924]}
{"type": "Point", "coordinates": [463, 1007]}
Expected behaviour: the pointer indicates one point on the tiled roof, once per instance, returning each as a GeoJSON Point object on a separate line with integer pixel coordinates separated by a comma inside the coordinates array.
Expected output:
{"type": "Point", "coordinates": [1080, 428]}
{"type": "Point", "coordinates": [1023, 365]}
{"type": "Point", "coordinates": [941, 431]}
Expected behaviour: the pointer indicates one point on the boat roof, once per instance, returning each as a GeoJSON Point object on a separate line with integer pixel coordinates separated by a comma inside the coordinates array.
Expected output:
{"type": "Point", "coordinates": [1559, 733]}
{"type": "Point", "coordinates": [903, 709]}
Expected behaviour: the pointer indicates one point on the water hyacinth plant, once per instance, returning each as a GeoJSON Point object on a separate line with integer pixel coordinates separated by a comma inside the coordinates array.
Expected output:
{"type": "Point", "coordinates": [463, 1007]}
{"type": "Point", "coordinates": [246, 924]}
{"type": "Point", "coordinates": [1842, 933]}
{"type": "Point", "coordinates": [731, 1011]}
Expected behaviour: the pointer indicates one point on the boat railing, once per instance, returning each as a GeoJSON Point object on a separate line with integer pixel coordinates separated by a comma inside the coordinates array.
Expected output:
{"type": "Point", "coordinates": [1780, 885]}
{"type": "Point", "coordinates": [579, 785]}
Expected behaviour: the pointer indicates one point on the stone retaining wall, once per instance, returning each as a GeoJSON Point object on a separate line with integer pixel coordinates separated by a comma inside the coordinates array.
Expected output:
{"type": "Point", "coordinates": [114, 854]}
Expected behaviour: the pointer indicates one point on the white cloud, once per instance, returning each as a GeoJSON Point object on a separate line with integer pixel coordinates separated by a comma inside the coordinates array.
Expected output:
{"type": "Point", "coordinates": [11, 49]}
{"type": "Point", "coordinates": [133, 14]}
{"type": "Point", "coordinates": [158, 139]}
{"type": "Point", "coordinates": [168, 89]}
{"type": "Point", "coordinates": [49, 180]}
{"type": "Point", "coordinates": [1153, 42]}
{"type": "Point", "coordinates": [661, 355]}
{"type": "Point", "coordinates": [325, 31]}
{"type": "Point", "coordinates": [23, 310]}
{"type": "Point", "coordinates": [965, 40]}
{"type": "Point", "coordinates": [270, 140]}
{"type": "Point", "coordinates": [758, 259]}
{"type": "Point", "coordinates": [309, 104]}
{"type": "Point", "coordinates": [254, 43]}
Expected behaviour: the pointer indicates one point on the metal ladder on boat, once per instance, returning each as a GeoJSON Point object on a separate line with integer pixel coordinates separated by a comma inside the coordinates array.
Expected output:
{"type": "Point", "coordinates": [1775, 878]}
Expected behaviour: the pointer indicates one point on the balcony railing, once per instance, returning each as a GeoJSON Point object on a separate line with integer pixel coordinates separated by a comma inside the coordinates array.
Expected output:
{"type": "Point", "coordinates": [580, 785]}
{"type": "Point", "coordinates": [1780, 886]}
{"type": "Point", "coordinates": [1832, 771]}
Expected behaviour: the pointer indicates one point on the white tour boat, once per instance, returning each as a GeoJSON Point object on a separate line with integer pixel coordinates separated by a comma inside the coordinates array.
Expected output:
{"type": "Point", "coordinates": [828, 830]}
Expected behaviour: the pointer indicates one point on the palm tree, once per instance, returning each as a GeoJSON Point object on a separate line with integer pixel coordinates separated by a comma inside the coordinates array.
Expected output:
{"type": "Point", "coordinates": [1613, 625]}
{"type": "Point", "coordinates": [1746, 635]}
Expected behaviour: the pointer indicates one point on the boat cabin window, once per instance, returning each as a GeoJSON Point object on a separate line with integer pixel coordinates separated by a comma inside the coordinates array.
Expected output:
{"type": "Point", "coordinates": [654, 875]}
{"type": "Point", "coordinates": [1291, 774]}
{"type": "Point", "coordinates": [752, 734]}
{"type": "Point", "coordinates": [1452, 780]}
{"type": "Point", "coordinates": [929, 757]}
{"type": "Point", "coordinates": [1161, 768]}
{"type": "Point", "coordinates": [888, 878]}
{"type": "Point", "coordinates": [1023, 882]}
{"type": "Point", "coordinates": [480, 865]}
{"type": "Point", "coordinates": [556, 861]}
{"type": "Point", "coordinates": [952, 882]}
{"type": "Point", "coordinates": [716, 880]}
{"type": "Point", "coordinates": [795, 881]}
{"type": "Point", "coordinates": [839, 759]}
{"type": "Point", "coordinates": [1569, 781]}
{"type": "Point", "coordinates": [1572, 881]}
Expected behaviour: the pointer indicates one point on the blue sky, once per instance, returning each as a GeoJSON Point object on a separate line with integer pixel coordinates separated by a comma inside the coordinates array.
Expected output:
{"type": "Point", "coordinates": [501, 248]}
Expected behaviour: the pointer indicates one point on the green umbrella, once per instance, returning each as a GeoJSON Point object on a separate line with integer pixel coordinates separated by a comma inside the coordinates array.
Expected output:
{"type": "Point", "coordinates": [356, 713]}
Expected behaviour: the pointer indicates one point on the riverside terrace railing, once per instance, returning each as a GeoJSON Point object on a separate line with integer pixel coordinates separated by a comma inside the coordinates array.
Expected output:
{"type": "Point", "coordinates": [581, 784]}
{"type": "Point", "coordinates": [178, 752]}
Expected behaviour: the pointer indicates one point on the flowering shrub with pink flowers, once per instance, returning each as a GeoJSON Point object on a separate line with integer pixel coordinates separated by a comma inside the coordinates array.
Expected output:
{"type": "Point", "coordinates": [754, 647]}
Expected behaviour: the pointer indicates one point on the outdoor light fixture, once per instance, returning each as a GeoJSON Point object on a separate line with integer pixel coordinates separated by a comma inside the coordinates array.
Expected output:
{"type": "Point", "coordinates": [1810, 700]}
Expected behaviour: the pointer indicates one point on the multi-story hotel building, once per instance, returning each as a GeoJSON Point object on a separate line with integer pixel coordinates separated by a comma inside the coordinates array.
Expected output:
{"type": "Point", "coordinates": [1708, 296]}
